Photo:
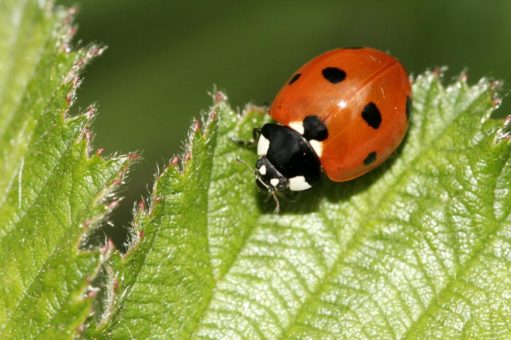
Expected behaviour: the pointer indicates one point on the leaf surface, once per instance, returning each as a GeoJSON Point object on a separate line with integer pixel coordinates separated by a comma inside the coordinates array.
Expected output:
{"type": "Point", "coordinates": [52, 191]}
{"type": "Point", "coordinates": [418, 248]}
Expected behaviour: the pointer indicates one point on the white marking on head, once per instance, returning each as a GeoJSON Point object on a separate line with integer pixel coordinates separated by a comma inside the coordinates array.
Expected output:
{"type": "Point", "coordinates": [342, 104]}
{"type": "Point", "coordinates": [297, 126]}
{"type": "Point", "coordinates": [298, 183]}
{"type": "Point", "coordinates": [262, 146]}
{"type": "Point", "coordinates": [262, 170]}
{"type": "Point", "coordinates": [317, 146]}
{"type": "Point", "coordinates": [274, 181]}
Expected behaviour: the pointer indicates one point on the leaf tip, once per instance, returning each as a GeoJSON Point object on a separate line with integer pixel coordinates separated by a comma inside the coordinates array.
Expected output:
{"type": "Point", "coordinates": [504, 133]}
{"type": "Point", "coordinates": [115, 203]}
{"type": "Point", "coordinates": [68, 29]}
{"type": "Point", "coordinates": [196, 126]}
{"type": "Point", "coordinates": [463, 76]}
{"type": "Point", "coordinates": [495, 88]}
{"type": "Point", "coordinates": [91, 292]}
{"type": "Point", "coordinates": [141, 205]}
{"type": "Point", "coordinates": [438, 71]}
{"type": "Point", "coordinates": [219, 97]}
{"type": "Point", "coordinates": [116, 285]}
{"type": "Point", "coordinates": [100, 151]}
{"type": "Point", "coordinates": [187, 157]}
{"type": "Point", "coordinates": [107, 249]}
{"type": "Point", "coordinates": [86, 224]}
{"type": "Point", "coordinates": [253, 108]}
{"type": "Point", "coordinates": [133, 156]}
{"type": "Point", "coordinates": [72, 78]}
{"type": "Point", "coordinates": [174, 161]}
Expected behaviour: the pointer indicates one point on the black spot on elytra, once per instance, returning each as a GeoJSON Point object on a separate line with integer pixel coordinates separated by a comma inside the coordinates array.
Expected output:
{"type": "Point", "coordinates": [333, 74]}
{"type": "Point", "coordinates": [371, 157]}
{"type": "Point", "coordinates": [313, 128]}
{"type": "Point", "coordinates": [408, 107]}
{"type": "Point", "coordinates": [294, 78]}
{"type": "Point", "coordinates": [372, 115]}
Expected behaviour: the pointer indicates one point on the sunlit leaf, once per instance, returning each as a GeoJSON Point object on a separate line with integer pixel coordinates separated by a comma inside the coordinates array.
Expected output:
{"type": "Point", "coordinates": [52, 191]}
{"type": "Point", "coordinates": [419, 248]}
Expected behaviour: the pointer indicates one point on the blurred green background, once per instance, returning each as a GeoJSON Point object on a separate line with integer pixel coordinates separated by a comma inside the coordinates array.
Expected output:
{"type": "Point", "coordinates": [164, 56]}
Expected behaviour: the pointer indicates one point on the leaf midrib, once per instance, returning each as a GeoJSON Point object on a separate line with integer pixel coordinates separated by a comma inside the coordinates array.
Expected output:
{"type": "Point", "coordinates": [20, 217]}
{"type": "Point", "coordinates": [34, 204]}
{"type": "Point", "coordinates": [10, 118]}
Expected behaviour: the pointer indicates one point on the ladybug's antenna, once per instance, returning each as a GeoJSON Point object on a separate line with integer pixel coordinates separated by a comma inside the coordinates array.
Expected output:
{"type": "Point", "coordinates": [260, 180]}
{"type": "Point", "coordinates": [254, 171]}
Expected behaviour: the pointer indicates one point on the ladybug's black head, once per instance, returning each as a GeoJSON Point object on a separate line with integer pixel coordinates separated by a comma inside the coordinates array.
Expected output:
{"type": "Point", "coordinates": [287, 161]}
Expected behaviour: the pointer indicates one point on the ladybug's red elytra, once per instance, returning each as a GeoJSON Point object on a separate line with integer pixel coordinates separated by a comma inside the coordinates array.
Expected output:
{"type": "Point", "coordinates": [344, 112]}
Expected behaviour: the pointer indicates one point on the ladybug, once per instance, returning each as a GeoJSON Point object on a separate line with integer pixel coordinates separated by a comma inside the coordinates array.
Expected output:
{"type": "Point", "coordinates": [344, 112]}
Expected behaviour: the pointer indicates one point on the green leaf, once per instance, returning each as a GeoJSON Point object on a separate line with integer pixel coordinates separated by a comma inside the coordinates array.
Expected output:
{"type": "Point", "coordinates": [419, 248]}
{"type": "Point", "coordinates": [52, 191]}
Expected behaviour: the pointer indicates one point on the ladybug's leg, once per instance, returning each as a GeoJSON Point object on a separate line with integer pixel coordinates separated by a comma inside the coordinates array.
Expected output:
{"type": "Point", "coordinates": [271, 191]}
{"type": "Point", "coordinates": [276, 210]}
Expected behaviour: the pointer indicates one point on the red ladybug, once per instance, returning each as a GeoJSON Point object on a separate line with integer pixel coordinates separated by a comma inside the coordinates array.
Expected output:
{"type": "Point", "coordinates": [344, 112]}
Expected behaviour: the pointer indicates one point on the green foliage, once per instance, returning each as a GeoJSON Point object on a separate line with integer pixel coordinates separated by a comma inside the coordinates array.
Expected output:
{"type": "Point", "coordinates": [52, 191]}
{"type": "Point", "coordinates": [419, 248]}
